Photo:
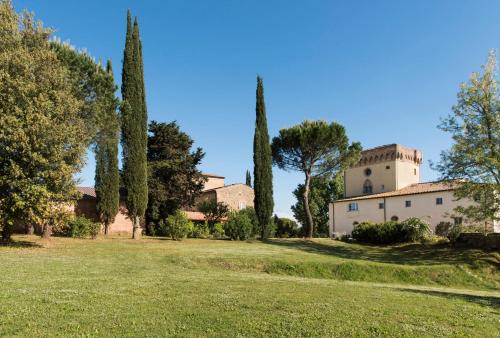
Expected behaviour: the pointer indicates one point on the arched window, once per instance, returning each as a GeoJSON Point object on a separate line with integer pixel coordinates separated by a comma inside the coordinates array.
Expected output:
{"type": "Point", "coordinates": [394, 218]}
{"type": "Point", "coordinates": [355, 223]}
{"type": "Point", "coordinates": [367, 187]}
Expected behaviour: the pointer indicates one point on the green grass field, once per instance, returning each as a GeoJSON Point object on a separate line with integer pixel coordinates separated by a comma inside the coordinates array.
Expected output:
{"type": "Point", "coordinates": [157, 287]}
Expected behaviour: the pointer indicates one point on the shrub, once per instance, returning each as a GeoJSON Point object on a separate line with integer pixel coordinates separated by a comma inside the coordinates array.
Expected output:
{"type": "Point", "coordinates": [218, 231]}
{"type": "Point", "coordinates": [285, 227]}
{"type": "Point", "coordinates": [81, 227]}
{"type": "Point", "coordinates": [178, 226]}
{"type": "Point", "coordinates": [443, 229]}
{"type": "Point", "coordinates": [238, 226]}
{"type": "Point", "coordinates": [250, 212]}
{"type": "Point", "coordinates": [200, 230]}
{"type": "Point", "coordinates": [454, 231]}
{"type": "Point", "coordinates": [411, 230]}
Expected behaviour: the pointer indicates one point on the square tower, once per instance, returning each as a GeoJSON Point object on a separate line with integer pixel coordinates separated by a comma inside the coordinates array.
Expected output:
{"type": "Point", "coordinates": [381, 169]}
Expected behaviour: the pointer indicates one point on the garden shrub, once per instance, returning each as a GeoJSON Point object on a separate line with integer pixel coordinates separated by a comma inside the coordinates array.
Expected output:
{"type": "Point", "coordinates": [218, 231]}
{"type": "Point", "coordinates": [454, 232]}
{"type": "Point", "coordinates": [238, 226]}
{"type": "Point", "coordinates": [82, 227]}
{"type": "Point", "coordinates": [178, 226]}
{"type": "Point", "coordinates": [200, 230]}
{"type": "Point", "coordinates": [411, 230]}
{"type": "Point", "coordinates": [443, 229]}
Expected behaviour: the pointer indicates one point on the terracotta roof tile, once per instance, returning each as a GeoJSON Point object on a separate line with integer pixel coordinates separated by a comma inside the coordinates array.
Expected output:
{"type": "Point", "coordinates": [87, 192]}
{"type": "Point", "coordinates": [418, 188]}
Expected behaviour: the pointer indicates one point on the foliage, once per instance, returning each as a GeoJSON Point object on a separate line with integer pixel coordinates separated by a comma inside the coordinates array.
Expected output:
{"type": "Point", "coordinates": [82, 227]}
{"type": "Point", "coordinates": [248, 179]}
{"type": "Point", "coordinates": [410, 230]}
{"type": "Point", "coordinates": [443, 229]}
{"type": "Point", "coordinates": [323, 191]}
{"type": "Point", "coordinates": [285, 227]}
{"type": "Point", "coordinates": [174, 179]}
{"type": "Point", "coordinates": [107, 176]}
{"type": "Point", "coordinates": [315, 148]}
{"type": "Point", "coordinates": [43, 133]}
{"type": "Point", "coordinates": [252, 215]}
{"type": "Point", "coordinates": [200, 230]}
{"type": "Point", "coordinates": [474, 157]}
{"type": "Point", "coordinates": [134, 127]}
{"type": "Point", "coordinates": [238, 226]}
{"type": "Point", "coordinates": [454, 232]}
{"type": "Point", "coordinates": [214, 211]}
{"type": "Point", "coordinates": [178, 226]}
{"type": "Point", "coordinates": [262, 159]}
{"type": "Point", "coordinates": [217, 231]}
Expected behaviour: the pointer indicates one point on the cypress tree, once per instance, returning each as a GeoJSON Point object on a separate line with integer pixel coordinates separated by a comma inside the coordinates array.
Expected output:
{"type": "Point", "coordinates": [262, 158]}
{"type": "Point", "coordinates": [248, 180]}
{"type": "Point", "coordinates": [134, 128]}
{"type": "Point", "coordinates": [107, 180]}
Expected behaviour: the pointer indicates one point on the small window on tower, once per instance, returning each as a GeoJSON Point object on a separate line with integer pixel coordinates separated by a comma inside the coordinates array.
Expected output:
{"type": "Point", "coordinates": [414, 171]}
{"type": "Point", "coordinates": [387, 167]}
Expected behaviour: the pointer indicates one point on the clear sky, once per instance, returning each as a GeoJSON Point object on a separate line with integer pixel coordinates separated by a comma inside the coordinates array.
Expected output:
{"type": "Point", "coordinates": [386, 70]}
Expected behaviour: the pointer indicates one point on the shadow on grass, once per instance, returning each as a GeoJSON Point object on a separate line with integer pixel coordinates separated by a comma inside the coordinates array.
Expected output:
{"type": "Point", "coordinates": [490, 301]}
{"type": "Point", "coordinates": [19, 244]}
{"type": "Point", "coordinates": [421, 254]}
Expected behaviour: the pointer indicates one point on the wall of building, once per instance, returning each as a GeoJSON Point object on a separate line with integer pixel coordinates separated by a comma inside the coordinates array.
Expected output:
{"type": "Point", "coordinates": [237, 196]}
{"type": "Point", "coordinates": [407, 173]}
{"type": "Point", "coordinates": [88, 209]}
{"type": "Point", "coordinates": [382, 179]}
{"type": "Point", "coordinates": [213, 182]}
{"type": "Point", "coordinates": [423, 206]}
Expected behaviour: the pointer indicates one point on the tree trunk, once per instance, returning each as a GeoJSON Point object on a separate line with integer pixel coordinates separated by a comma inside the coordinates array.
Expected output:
{"type": "Point", "coordinates": [309, 219]}
{"type": "Point", "coordinates": [7, 232]}
{"type": "Point", "coordinates": [30, 229]}
{"type": "Point", "coordinates": [106, 228]}
{"type": "Point", "coordinates": [136, 232]}
{"type": "Point", "coordinates": [47, 231]}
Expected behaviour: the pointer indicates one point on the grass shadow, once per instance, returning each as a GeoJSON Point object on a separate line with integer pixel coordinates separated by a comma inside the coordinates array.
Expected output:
{"type": "Point", "coordinates": [489, 301]}
{"type": "Point", "coordinates": [412, 254]}
{"type": "Point", "coordinates": [19, 244]}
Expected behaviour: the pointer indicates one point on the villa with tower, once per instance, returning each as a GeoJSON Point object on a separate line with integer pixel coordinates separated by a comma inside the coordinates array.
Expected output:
{"type": "Point", "coordinates": [385, 185]}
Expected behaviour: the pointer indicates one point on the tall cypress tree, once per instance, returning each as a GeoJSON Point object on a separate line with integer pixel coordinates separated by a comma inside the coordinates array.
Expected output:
{"type": "Point", "coordinates": [107, 179]}
{"type": "Point", "coordinates": [248, 179]}
{"type": "Point", "coordinates": [262, 158]}
{"type": "Point", "coordinates": [134, 128]}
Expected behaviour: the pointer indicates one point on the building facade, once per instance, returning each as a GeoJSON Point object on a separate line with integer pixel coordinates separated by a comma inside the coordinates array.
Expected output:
{"type": "Point", "coordinates": [385, 185]}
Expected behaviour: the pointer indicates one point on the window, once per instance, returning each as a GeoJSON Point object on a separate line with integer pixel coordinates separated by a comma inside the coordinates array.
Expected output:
{"type": "Point", "coordinates": [387, 167]}
{"type": "Point", "coordinates": [394, 218]}
{"type": "Point", "coordinates": [383, 187]}
{"type": "Point", "coordinates": [367, 187]}
{"type": "Point", "coordinates": [242, 205]}
{"type": "Point", "coordinates": [408, 204]}
{"type": "Point", "coordinates": [353, 206]}
{"type": "Point", "coordinates": [368, 171]}
{"type": "Point", "coordinates": [414, 171]}
{"type": "Point", "coordinates": [355, 223]}
{"type": "Point", "coordinates": [381, 205]}
{"type": "Point", "coordinates": [457, 220]}
{"type": "Point", "coordinates": [439, 200]}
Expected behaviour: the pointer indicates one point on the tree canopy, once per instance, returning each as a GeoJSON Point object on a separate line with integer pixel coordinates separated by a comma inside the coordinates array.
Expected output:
{"type": "Point", "coordinates": [315, 148]}
{"type": "Point", "coordinates": [474, 157]}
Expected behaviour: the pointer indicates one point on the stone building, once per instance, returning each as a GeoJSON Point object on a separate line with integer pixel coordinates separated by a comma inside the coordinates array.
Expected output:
{"type": "Point", "coordinates": [385, 185]}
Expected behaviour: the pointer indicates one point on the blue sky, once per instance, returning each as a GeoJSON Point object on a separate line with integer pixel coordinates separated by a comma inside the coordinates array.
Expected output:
{"type": "Point", "coordinates": [386, 70]}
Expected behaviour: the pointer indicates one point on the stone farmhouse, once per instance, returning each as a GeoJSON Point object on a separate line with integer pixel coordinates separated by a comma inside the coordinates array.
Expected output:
{"type": "Point", "coordinates": [237, 196]}
{"type": "Point", "coordinates": [385, 185]}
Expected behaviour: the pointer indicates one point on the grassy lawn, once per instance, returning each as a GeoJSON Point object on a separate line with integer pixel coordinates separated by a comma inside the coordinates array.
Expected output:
{"type": "Point", "coordinates": [157, 287]}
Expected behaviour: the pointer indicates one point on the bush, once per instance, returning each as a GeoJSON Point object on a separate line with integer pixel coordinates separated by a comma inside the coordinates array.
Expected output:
{"type": "Point", "coordinates": [443, 229]}
{"type": "Point", "coordinates": [454, 232]}
{"type": "Point", "coordinates": [250, 212]}
{"type": "Point", "coordinates": [411, 230]}
{"type": "Point", "coordinates": [218, 231]}
{"type": "Point", "coordinates": [238, 226]}
{"type": "Point", "coordinates": [178, 226]}
{"type": "Point", "coordinates": [81, 227]}
{"type": "Point", "coordinates": [285, 227]}
{"type": "Point", "coordinates": [200, 230]}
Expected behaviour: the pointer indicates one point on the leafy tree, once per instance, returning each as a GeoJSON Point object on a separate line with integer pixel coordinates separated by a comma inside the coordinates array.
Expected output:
{"type": "Point", "coordinates": [134, 128]}
{"type": "Point", "coordinates": [324, 190]}
{"type": "Point", "coordinates": [238, 226]}
{"type": "Point", "coordinates": [214, 211]}
{"type": "Point", "coordinates": [178, 225]}
{"type": "Point", "coordinates": [248, 179]}
{"type": "Point", "coordinates": [174, 179]}
{"type": "Point", "coordinates": [250, 212]}
{"type": "Point", "coordinates": [107, 177]}
{"type": "Point", "coordinates": [317, 149]}
{"type": "Point", "coordinates": [262, 158]}
{"type": "Point", "coordinates": [285, 227]}
{"type": "Point", "coordinates": [43, 136]}
{"type": "Point", "coordinates": [474, 157]}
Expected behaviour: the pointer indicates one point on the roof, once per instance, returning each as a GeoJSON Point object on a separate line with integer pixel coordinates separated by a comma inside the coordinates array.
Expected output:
{"type": "Point", "coordinates": [227, 186]}
{"type": "Point", "coordinates": [212, 175]}
{"type": "Point", "coordinates": [87, 192]}
{"type": "Point", "coordinates": [413, 189]}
